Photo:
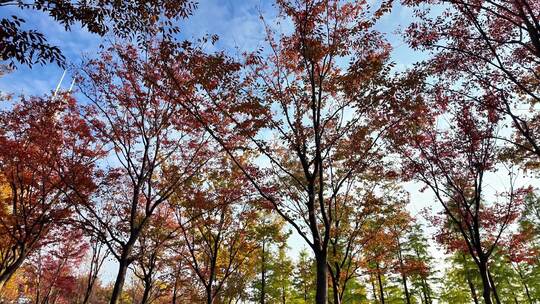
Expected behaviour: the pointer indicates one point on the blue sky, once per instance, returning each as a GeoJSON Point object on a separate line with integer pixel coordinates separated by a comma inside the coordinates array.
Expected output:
{"type": "Point", "coordinates": [235, 21]}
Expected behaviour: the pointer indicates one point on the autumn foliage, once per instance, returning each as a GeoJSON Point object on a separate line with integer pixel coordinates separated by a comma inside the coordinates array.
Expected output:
{"type": "Point", "coordinates": [179, 172]}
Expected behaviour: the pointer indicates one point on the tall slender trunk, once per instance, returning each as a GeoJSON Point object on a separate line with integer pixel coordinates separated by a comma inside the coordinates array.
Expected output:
{"type": "Point", "coordinates": [425, 291]}
{"type": "Point", "coordinates": [263, 272]}
{"type": "Point", "coordinates": [425, 285]}
{"type": "Point", "coordinates": [321, 293]}
{"type": "Point", "coordinates": [524, 284]}
{"type": "Point", "coordinates": [175, 288]}
{"type": "Point", "coordinates": [209, 298]}
{"type": "Point", "coordinates": [88, 292]}
{"type": "Point", "coordinates": [374, 289]}
{"type": "Point", "coordinates": [474, 296]}
{"type": "Point", "coordinates": [486, 286]}
{"type": "Point", "coordinates": [96, 262]}
{"type": "Point", "coordinates": [146, 293]}
{"type": "Point", "coordinates": [381, 289]}
{"type": "Point", "coordinates": [335, 286]}
{"type": "Point", "coordinates": [403, 276]}
{"type": "Point", "coordinates": [120, 279]}
{"type": "Point", "coordinates": [493, 288]}
{"type": "Point", "coordinates": [174, 293]}
{"type": "Point", "coordinates": [406, 289]}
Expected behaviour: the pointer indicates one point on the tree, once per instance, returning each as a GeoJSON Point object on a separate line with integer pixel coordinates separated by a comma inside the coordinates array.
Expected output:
{"type": "Point", "coordinates": [47, 156]}
{"type": "Point", "coordinates": [123, 19]}
{"type": "Point", "coordinates": [368, 208]}
{"type": "Point", "coordinates": [51, 270]}
{"type": "Point", "coordinates": [280, 281]}
{"type": "Point", "coordinates": [98, 254]}
{"type": "Point", "coordinates": [315, 110]}
{"type": "Point", "coordinates": [420, 261]}
{"type": "Point", "coordinates": [460, 281]}
{"type": "Point", "coordinates": [269, 233]}
{"type": "Point", "coordinates": [453, 162]}
{"type": "Point", "coordinates": [152, 246]}
{"type": "Point", "coordinates": [155, 148]}
{"type": "Point", "coordinates": [382, 254]}
{"type": "Point", "coordinates": [303, 278]}
{"type": "Point", "coordinates": [214, 214]}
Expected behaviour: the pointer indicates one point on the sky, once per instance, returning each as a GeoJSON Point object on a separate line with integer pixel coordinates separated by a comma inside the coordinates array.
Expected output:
{"type": "Point", "coordinates": [236, 22]}
{"type": "Point", "coordinates": [239, 27]}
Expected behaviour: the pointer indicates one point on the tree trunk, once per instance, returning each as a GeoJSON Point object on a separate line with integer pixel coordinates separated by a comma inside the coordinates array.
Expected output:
{"type": "Point", "coordinates": [321, 293]}
{"type": "Point", "coordinates": [87, 293]}
{"type": "Point", "coordinates": [425, 291]}
{"type": "Point", "coordinates": [146, 292]}
{"type": "Point", "coordinates": [494, 289]}
{"type": "Point", "coordinates": [263, 273]}
{"type": "Point", "coordinates": [175, 287]}
{"type": "Point", "coordinates": [335, 286]}
{"type": "Point", "coordinates": [381, 289]}
{"type": "Point", "coordinates": [474, 296]}
{"type": "Point", "coordinates": [403, 276]}
{"type": "Point", "coordinates": [2, 283]}
{"type": "Point", "coordinates": [406, 289]}
{"type": "Point", "coordinates": [209, 298]}
{"type": "Point", "coordinates": [8, 272]}
{"type": "Point", "coordinates": [486, 286]}
{"type": "Point", "coordinates": [120, 279]}
{"type": "Point", "coordinates": [374, 289]}
{"type": "Point", "coordinates": [524, 284]}
{"type": "Point", "coordinates": [174, 293]}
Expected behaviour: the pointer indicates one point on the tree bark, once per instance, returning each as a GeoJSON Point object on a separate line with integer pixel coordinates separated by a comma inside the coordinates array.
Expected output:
{"type": "Point", "coordinates": [524, 284]}
{"type": "Point", "coordinates": [120, 279]}
{"type": "Point", "coordinates": [146, 292]}
{"type": "Point", "coordinates": [486, 286]}
{"type": "Point", "coordinates": [321, 293]}
{"type": "Point", "coordinates": [406, 289]}
{"type": "Point", "coordinates": [474, 296]}
{"type": "Point", "coordinates": [263, 273]}
{"type": "Point", "coordinates": [335, 286]}
{"type": "Point", "coordinates": [425, 291]}
{"type": "Point", "coordinates": [403, 276]}
{"type": "Point", "coordinates": [8, 272]}
{"type": "Point", "coordinates": [381, 289]}
{"type": "Point", "coordinates": [209, 298]}
{"type": "Point", "coordinates": [493, 288]}
{"type": "Point", "coordinates": [374, 289]}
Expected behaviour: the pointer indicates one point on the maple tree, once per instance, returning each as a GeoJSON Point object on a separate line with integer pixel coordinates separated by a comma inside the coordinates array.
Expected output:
{"type": "Point", "coordinates": [453, 161]}
{"type": "Point", "coordinates": [155, 146]}
{"type": "Point", "coordinates": [47, 158]}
